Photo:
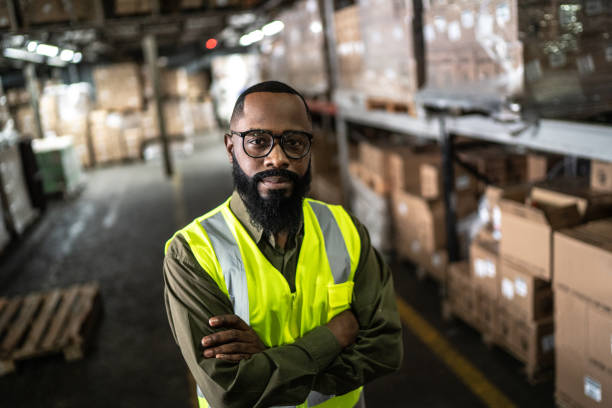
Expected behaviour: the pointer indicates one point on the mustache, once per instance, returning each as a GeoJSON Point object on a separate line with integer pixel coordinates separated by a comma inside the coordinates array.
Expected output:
{"type": "Point", "coordinates": [289, 175]}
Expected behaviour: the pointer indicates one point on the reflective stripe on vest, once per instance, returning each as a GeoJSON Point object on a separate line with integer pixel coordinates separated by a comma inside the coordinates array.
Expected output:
{"type": "Point", "coordinates": [228, 254]}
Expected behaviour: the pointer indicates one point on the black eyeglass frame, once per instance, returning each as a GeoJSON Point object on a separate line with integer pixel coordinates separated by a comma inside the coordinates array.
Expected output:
{"type": "Point", "coordinates": [274, 137]}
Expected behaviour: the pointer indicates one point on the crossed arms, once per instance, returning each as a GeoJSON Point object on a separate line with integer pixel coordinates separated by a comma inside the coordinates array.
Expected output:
{"type": "Point", "coordinates": [234, 369]}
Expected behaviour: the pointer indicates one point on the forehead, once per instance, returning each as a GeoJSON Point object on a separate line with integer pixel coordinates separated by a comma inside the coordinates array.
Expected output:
{"type": "Point", "coordinates": [274, 111]}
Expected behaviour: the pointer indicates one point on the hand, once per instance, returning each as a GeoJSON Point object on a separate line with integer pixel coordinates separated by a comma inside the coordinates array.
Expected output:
{"type": "Point", "coordinates": [238, 343]}
{"type": "Point", "coordinates": [345, 327]}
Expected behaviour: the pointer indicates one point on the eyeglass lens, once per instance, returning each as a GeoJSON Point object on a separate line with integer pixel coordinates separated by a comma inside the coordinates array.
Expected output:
{"type": "Point", "coordinates": [259, 144]}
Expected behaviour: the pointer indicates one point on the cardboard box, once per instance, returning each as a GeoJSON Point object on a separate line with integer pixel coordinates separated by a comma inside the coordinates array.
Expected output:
{"type": "Point", "coordinates": [118, 95]}
{"type": "Point", "coordinates": [324, 187]}
{"type": "Point", "coordinates": [523, 295]}
{"type": "Point", "coordinates": [591, 204]}
{"type": "Point", "coordinates": [54, 11]}
{"type": "Point", "coordinates": [583, 260]}
{"type": "Point", "coordinates": [601, 176]}
{"type": "Point", "coordinates": [418, 219]}
{"type": "Point", "coordinates": [484, 264]}
{"type": "Point", "coordinates": [404, 167]}
{"type": "Point", "coordinates": [538, 166]}
{"type": "Point", "coordinates": [487, 310]}
{"type": "Point", "coordinates": [526, 231]}
{"type": "Point", "coordinates": [432, 183]}
{"type": "Point", "coordinates": [372, 210]}
{"type": "Point", "coordinates": [583, 355]}
{"type": "Point", "coordinates": [531, 342]}
{"type": "Point", "coordinates": [461, 292]}
{"type": "Point", "coordinates": [132, 6]}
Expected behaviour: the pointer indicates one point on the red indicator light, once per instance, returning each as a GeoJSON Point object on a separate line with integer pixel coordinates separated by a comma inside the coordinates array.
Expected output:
{"type": "Point", "coordinates": [211, 43]}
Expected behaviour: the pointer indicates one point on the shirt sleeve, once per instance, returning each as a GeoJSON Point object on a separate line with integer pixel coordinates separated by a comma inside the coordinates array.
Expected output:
{"type": "Point", "coordinates": [378, 349]}
{"type": "Point", "coordinates": [277, 376]}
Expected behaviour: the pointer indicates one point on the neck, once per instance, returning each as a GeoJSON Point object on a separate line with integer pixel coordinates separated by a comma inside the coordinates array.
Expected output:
{"type": "Point", "coordinates": [281, 239]}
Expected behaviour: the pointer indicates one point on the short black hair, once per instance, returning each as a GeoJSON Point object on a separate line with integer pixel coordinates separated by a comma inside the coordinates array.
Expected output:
{"type": "Point", "coordinates": [267, 86]}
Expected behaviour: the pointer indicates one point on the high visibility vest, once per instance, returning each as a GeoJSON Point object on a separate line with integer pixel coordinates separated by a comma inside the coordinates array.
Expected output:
{"type": "Point", "coordinates": [260, 294]}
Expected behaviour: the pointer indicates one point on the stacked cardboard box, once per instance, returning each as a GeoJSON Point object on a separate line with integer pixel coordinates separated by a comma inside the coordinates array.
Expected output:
{"type": "Point", "coordinates": [473, 50]}
{"type": "Point", "coordinates": [391, 33]}
{"type": "Point", "coordinates": [498, 165]}
{"type": "Point", "coordinates": [112, 94]}
{"type": "Point", "coordinates": [14, 190]}
{"type": "Point", "coordinates": [326, 185]}
{"type": "Point", "coordinates": [132, 6]}
{"type": "Point", "coordinates": [349, 46]}
{"type": "Point", "coordinates": [24, 121]}
{"type": "Point", "coordinates": [178, 83]}
{"type": "Point", "coordinates": [54, 11]}
{"type": "Point", "coordinates": [106, 136]}
{"type": "Point", "coordinates": [303, 38]}
{"type": "Point", "coordinates": [4, 21]}
{"type": "Point", "coordinates": [372, 209]}
{"type": "Point", "coordinates": [583, 321]}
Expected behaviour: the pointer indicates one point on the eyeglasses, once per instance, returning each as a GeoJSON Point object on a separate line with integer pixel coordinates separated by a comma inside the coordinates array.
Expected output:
{"type": "Point", "coordinates": [258, 143]}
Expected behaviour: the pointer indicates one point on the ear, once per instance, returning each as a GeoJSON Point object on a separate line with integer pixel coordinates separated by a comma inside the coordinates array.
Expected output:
{"type": "Point", "coordinates": [229, 147]}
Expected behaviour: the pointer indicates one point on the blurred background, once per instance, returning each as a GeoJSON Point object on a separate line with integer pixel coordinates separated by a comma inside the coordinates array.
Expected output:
{"type": "Point", "coordinates": [472, 138]}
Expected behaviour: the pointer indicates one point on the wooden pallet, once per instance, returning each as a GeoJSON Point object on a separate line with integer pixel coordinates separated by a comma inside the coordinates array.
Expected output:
{"type": "Point", "coordinates": [38, 324]}
{"type": "Point", "coordinates": [390, 105]}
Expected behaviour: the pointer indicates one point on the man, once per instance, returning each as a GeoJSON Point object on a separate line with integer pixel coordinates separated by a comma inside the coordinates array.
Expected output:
{"type": "Point", "coordinates": [273, 299]}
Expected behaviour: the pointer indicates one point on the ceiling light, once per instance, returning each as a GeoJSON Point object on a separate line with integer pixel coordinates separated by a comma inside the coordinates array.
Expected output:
{"type": "Point", "coordinates": [77, 57]}
{"type": "Point", "coordinates": [273, 28]}
{"type": "Point", "coordinates": [316, 27]}
{"type": "Point", "coordinates": [47, 50]}
{"type": "Point", "coordinates": [32, 46]}
{"type": "Point", "coordinates": [16, 53]}
{"type": "Point", "coordinates": [66, 55]}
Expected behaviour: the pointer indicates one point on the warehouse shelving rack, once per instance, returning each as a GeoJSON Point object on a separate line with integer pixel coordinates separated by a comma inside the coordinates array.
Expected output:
{"type": "Point", "coordinates": [575, 139]}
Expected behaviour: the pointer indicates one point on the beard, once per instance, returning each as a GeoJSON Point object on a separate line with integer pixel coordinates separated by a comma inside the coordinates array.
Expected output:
{"type": "Point", "coordinates": [277, 212]}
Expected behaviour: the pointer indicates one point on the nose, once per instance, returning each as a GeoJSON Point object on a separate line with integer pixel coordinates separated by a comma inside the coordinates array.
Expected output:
{"type": "Point", "coordinates": [277, 159]}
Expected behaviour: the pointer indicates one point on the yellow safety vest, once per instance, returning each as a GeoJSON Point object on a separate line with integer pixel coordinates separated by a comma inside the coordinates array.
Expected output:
{"type": "Point", "coordinates": [260, 294]}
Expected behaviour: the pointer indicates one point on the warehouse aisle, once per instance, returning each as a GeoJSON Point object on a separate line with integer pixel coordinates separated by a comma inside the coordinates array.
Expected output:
{"type": "Point", "coordinates": [114, 233]}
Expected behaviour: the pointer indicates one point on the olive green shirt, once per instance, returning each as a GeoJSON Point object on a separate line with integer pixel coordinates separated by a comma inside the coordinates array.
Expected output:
{"type": "Point", "coordinates": [282, 375]}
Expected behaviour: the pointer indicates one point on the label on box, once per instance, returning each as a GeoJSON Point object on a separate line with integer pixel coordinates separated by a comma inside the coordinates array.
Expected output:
{"type": "Point", "coordinates": [502, 14]}
{"type": "Point", "coordinates": [436, 260]}
{"type": "Point", "coordinates": [454, 31]}
{"type": "Point", "coordinates": [484, 268]}
{"type": "Point", "coordinates": [592, 389]}
{"type": "Point", "coordinates": [593, 7]}
{"type": "Point", "coordinates": [585, 64]}
{"type": "Point", "coordinates": [507, 289]}
{"type": "Point", "coordinates": [548, 343]}
{"type": "Point", "coordinates": [462, 182]}
{"type": "Point", "coordinates": [520, 287]}
{"type": "Point", "coordinates": [440, 23]}
{"type": "Point", "coordinates": [416, 246]}
{"type": "Point", "coordinates": [497, 217]}
{"type": "Point", "coordinates": [430, 33]}
{"type": "Point", "coordinates": [402, 208]}
{"type": "Point", "coordinates": [533, 70]}
{"type": "Point", "coordinates": [557, 59]}
{"type": "Point", "coordinates": [609, 54]}
{"type": "Point", "coordinates": [485, 26]}
{"type": "Point", "coordinates": [467, 19]}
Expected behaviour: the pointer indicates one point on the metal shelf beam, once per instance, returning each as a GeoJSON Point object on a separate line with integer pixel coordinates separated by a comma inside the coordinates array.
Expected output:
{"type": "Point", "coordinates": [588, 141]}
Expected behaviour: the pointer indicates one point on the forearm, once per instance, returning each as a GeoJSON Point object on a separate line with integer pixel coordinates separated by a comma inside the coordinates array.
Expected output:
{"type": "Point", "coordinates": [277, 376]}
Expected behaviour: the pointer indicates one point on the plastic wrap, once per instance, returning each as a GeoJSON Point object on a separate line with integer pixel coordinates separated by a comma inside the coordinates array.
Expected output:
{"type": "Point", "coordinates": [392, 47]}
{"type": "Point", "coordinates": [297, 54]}
{"type": "Point", "coordinates": [554, 57]}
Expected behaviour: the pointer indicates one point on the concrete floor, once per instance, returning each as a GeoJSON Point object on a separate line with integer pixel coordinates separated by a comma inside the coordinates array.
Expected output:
{"type": "Point", "coordinates": [114, 233]}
